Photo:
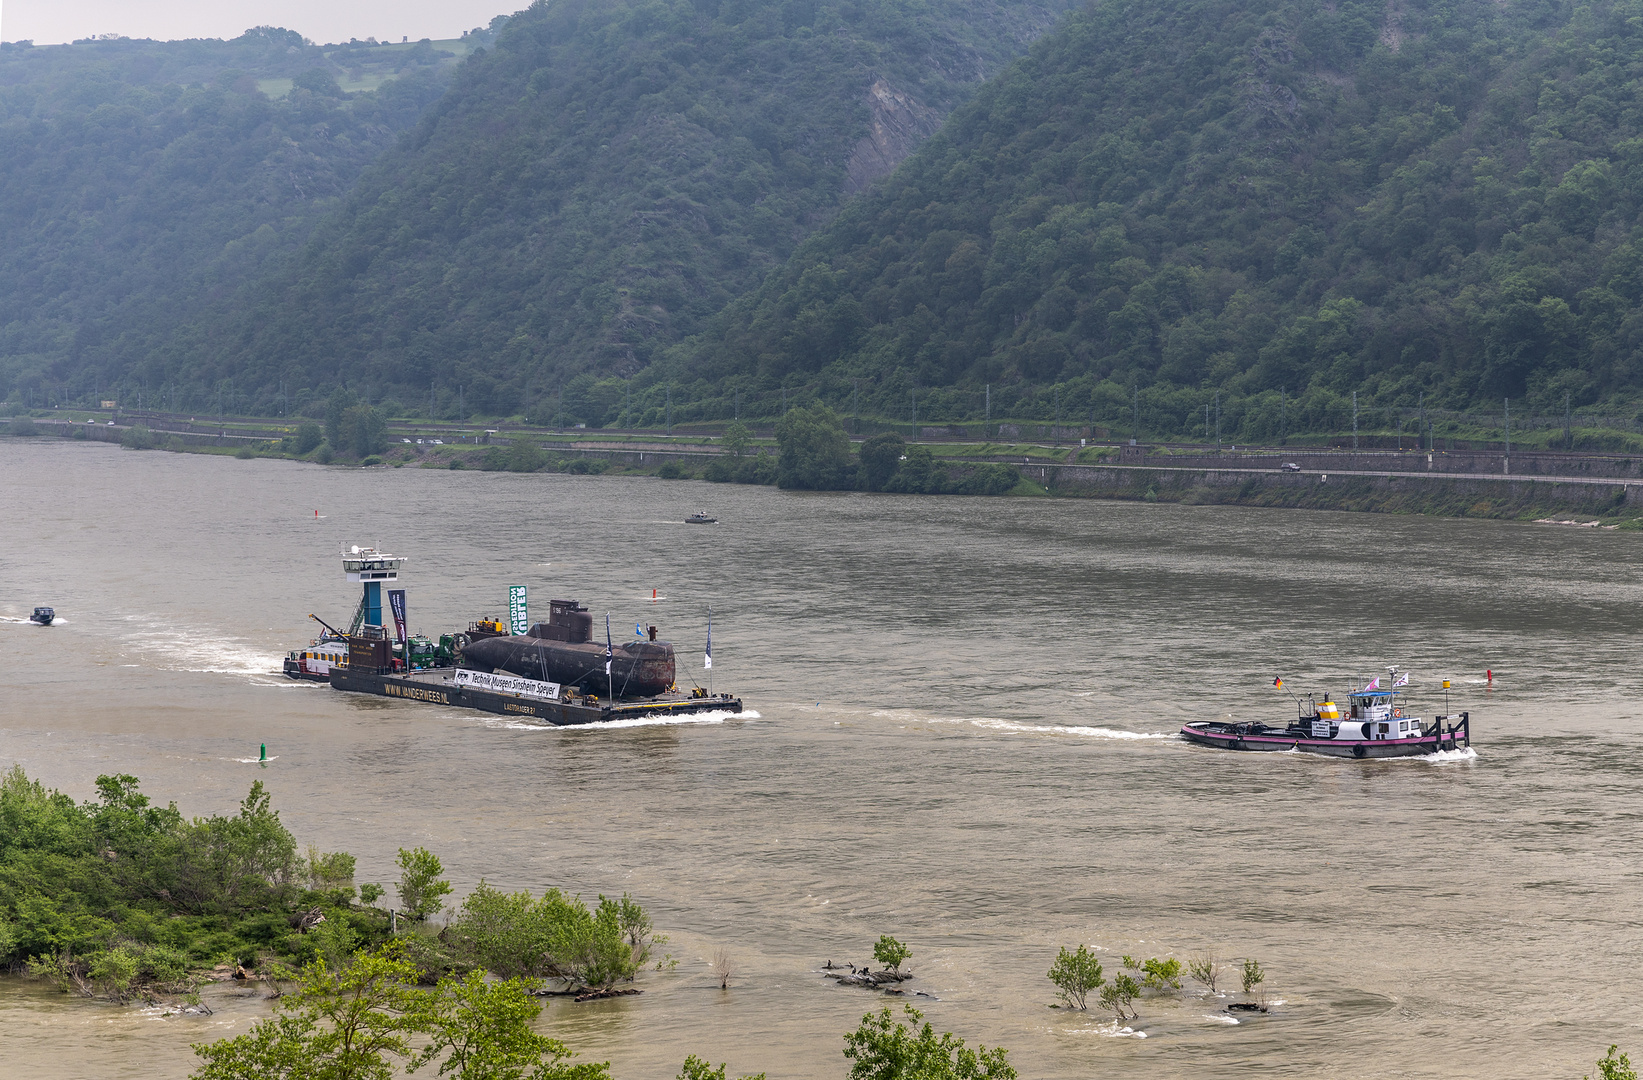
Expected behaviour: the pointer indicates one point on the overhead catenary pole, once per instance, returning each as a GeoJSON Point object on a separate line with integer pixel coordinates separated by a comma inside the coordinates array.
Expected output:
{"type": "Point", "coordinates": [1217, 421]}
{"type": "Point", "coordinates": [1135, 420]}
{"type": "Point", "coordinates": [1507, 464]}
{"type": "Point", "coordinates": [1354, 419]}
{"type": "Point", "coordinates": [1568, 432]}
{"type": "Point", "coordinates": [1283, 416]}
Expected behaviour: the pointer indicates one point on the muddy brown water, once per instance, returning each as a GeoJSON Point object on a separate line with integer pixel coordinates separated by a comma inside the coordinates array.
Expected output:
{"type": "Point", "coordinates": [964, 737]}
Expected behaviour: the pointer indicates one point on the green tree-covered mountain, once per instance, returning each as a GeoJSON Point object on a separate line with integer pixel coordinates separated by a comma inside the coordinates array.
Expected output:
{"type": "Point", "coordinates": [1280, 201]}
{"type": "Point", "coordinates": [595, 186]}
{"type": "Point", "coordinates": [142, 181]}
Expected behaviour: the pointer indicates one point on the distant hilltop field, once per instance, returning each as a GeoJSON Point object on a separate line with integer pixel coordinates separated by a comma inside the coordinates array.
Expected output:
{"type": "Point", "coordinates": [1183, 220]}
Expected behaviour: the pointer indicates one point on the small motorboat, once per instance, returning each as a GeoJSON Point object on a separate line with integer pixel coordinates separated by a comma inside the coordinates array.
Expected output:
{"type": "Point", "coordinates": [700, 518]}
{"type": "Point", "coordinates": [1375, 724]}
{"type": "Point", "coordinates": [43, 616]}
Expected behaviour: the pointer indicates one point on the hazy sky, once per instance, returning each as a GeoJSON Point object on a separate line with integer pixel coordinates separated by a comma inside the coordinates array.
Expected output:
{"type": "Point", "coordinates": [48, 22]}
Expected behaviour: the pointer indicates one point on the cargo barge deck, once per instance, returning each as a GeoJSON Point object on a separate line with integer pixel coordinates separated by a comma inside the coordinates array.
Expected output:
{"type": "Point", "coordinates": [438, 686]}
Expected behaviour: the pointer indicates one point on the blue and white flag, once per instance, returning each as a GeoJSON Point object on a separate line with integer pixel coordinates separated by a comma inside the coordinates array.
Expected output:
{"type": "Point", "coordinates": [638, 630]}
{"type": "Point", "coordinates": [1403, 680]}
{"type": "Point", "coordinates": [609, 652]}
{"type": "Point", "coordinates": [708, 660]}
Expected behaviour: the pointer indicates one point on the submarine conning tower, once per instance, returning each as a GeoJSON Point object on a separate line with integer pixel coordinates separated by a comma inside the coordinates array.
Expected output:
{"type": "Point", "coordinates": [370, 567]}
{"type": "Point", "coordinates": [568, 621]}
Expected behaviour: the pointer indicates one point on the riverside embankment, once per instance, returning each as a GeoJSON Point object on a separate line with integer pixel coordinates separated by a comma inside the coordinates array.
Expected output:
{"type": "Point", "coordinates": [1331, 487]}
{"type": "Point", "coordinates": [1454, 482]}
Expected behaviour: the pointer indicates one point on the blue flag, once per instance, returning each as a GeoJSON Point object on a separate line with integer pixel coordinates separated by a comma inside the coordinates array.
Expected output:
{"type": "Point", "coordinates": [708, 660]}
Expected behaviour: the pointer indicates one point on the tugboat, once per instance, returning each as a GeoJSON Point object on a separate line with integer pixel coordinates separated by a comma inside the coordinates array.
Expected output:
{"type": "Point", "coordinates": [323, 653]}
{"type": "Point", "coordinates": [1375, 724]}
{"type": "Point", "coordinates": [701, 517]}
{"type": "Point", "coordinates": [43, 616]}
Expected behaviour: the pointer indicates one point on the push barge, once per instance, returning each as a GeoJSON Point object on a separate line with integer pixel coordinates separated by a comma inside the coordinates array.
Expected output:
{"type": "Point", "coordinates": [553, 673]}
{"type": "Point", "coordinates": [1375, 724]}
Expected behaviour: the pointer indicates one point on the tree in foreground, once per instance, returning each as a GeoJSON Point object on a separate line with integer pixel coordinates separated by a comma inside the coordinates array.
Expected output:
{"type": "Point", "coordinates": [1075, 974]}
{"type": "Point", "coordinates": [697, 1069]}
{"type": "Point", "coordinates": [336, 1025]}
{"type": "Point", "coordinates": [1615, 1066]}
{"type": "Point", "coordinates": [885, 1048]}
{"type": "Point", "coordinates": [483, 1031]}
{"type": "Point", "coordinates": [421, 890]}
{"type": "Point", "coordinates": [351, 1024]}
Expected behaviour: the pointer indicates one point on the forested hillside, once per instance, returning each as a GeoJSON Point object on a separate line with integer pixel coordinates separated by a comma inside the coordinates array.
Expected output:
{"type": "Point", "coordinates": [1268, 206]}
{"type": "Point", "coordinates": [594, 187]}
{"type": "Point", "coordinates": [140, 181]}
{"type": "Point", "coordinates": [1277, 201]}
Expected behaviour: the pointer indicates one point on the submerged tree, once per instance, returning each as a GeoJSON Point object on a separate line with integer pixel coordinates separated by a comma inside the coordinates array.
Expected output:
{"type": "Point", "coordinates": [891, 953]}
{"type": "Point", "coordinates": [1076, 974]}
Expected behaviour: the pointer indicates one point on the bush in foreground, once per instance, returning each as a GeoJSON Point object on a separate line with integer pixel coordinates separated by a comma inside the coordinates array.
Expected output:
{"type": "Point", "coordinates": [885, 1048]}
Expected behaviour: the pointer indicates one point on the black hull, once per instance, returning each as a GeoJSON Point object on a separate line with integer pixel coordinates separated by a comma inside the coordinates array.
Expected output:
{"type": "Point", "coordinates": [438, 688]}
{"type": "Point", "coordinates": [638, 669]}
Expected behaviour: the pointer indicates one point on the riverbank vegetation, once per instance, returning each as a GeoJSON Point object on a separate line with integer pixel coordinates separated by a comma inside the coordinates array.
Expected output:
{"type": "Point", "coordinates": [121, 899]}
{"type": "Point", "coordinates": [118, 897]}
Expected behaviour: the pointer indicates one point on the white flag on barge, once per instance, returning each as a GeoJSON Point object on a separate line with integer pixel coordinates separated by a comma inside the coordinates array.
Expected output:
{"type": "Point", "coordinates": [707, 661]}
{"type": "Point", "coordinates": [609, 652]}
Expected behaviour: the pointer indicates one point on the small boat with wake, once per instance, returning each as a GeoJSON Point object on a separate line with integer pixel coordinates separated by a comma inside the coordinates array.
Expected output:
{"type": "Point", "coordinates": [701, 517]}
{"type": "Point", "coordinates": [43, 615]}
{"type": "Point", "coordinates": [1376, 723]}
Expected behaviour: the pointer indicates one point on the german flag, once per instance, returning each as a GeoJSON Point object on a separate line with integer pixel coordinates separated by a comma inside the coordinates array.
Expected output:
{"type": "Point", "coordinates": [1278, 681]}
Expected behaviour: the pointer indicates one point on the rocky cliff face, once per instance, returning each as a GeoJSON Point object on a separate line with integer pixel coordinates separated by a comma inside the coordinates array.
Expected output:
{"type": "Point", "coordinates": [900, 123]}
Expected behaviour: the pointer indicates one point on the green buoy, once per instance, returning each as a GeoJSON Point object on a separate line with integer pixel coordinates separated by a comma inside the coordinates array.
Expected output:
{"type": "Point", "coordinates": [264, 756]}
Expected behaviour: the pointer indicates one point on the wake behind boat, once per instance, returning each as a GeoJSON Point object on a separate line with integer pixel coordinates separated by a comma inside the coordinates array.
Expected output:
{"type": "Point", "coordinates": [1376, 723]}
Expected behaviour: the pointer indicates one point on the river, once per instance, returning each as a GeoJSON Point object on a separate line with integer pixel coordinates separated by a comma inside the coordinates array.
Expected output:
{"type": "Point", "coordinates": [961, 734]}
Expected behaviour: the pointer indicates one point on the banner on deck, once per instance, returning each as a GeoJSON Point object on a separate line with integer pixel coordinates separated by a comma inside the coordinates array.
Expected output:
{"type": "Point", "coordinates": [508, 684]}
{"type": "Point", "coordinates": [518, 619]}
{"type": "Point", "coordinates": [396, 601]}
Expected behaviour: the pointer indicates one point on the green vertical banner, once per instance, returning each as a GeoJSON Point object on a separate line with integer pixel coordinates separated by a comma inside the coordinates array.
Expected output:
{"type": "Point", "coordinates": [518, 620]}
